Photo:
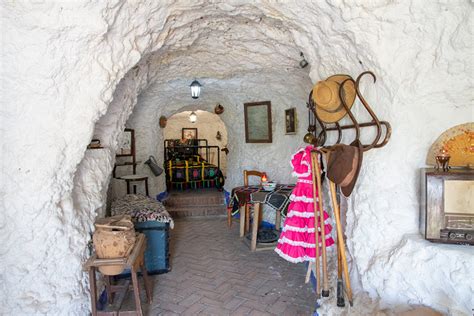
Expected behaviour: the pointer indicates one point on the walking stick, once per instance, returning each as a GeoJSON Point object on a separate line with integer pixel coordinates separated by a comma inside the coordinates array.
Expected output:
{"type": "Point", "coordinates": [340, 240]}
{"type": "Point", "coordinates": [316, 237]}
{"type": "Point", "coordinates": [317, 171]}
{"type": "Point", "coordinates": [340, 285]}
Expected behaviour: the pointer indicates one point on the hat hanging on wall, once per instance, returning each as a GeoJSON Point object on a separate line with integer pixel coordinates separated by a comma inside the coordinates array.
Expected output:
{"type": "Point", "coordinates": [163, 121]}
{"type": "Point", "coordinates": [344, 164]}
{"type": "Point", "coordinates": [219, 109]}
{"type": "Point", "coordinates": [329, 107]}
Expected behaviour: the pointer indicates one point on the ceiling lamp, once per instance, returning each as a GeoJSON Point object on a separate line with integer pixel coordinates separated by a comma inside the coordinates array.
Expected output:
{"type": "Point", "coordinates": [195, 89]}
{"type": "Point", "coordinates": [193, 117]}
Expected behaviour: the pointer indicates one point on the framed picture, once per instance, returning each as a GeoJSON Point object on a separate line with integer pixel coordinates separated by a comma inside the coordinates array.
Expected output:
{"type": "Point", "coordinates": [126, 143]}
{"type": "Point", "coordinates": [189, 133]}
{"type": "Point", "coordinates": [258, 122]}
{"type": "Point", "coordinates": [290, 121]}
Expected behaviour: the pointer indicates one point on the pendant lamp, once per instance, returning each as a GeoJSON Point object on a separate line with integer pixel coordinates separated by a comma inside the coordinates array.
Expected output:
{"type": "Point", "coordinates": [195, 89]}
{"type": "Point", "coordinates": [192, 117]}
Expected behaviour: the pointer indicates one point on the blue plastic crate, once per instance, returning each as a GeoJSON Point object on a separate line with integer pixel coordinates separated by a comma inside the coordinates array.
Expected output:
{"type": "Point", "coordinates": [157, 251]}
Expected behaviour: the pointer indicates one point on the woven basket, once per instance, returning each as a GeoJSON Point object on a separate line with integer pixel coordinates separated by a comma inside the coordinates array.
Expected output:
{"type": "Point", "coordinates": [114, 238]}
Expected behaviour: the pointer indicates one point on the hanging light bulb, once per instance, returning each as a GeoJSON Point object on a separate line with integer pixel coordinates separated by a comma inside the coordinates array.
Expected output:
{"type": "Point", "coordinates": [193, 117]}
{"type": "Point", "coordinates": [195, 89]}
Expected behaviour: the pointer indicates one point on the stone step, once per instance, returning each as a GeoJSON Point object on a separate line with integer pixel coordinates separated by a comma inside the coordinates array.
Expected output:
{"type": "Point", "coordinates": [193, 198]}
{"type": "Point", "coordinates": [201, 201]}
{"type": "Point", "coordinates": [187, 211]}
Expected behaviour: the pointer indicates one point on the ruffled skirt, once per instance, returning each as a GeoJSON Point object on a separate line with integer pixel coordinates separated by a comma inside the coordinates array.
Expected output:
{"type": "Point", "coordinates": [297, 240]}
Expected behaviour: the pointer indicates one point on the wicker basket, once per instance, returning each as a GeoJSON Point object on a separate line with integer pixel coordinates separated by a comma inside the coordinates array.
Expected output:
{"type": "Point", "coordinates": [114, 238]}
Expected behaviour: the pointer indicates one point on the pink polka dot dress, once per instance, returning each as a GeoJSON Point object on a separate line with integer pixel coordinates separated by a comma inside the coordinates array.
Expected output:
{"type": "Point", "coordinates": [297, 241]}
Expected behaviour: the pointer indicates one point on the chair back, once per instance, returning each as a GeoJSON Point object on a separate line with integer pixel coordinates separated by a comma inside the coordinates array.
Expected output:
{"type": "Point", "coordinates": [249, 173]}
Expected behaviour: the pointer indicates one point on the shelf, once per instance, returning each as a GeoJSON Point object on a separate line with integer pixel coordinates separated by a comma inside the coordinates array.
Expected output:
{"type": "Point", "coordinates": [127, 163]}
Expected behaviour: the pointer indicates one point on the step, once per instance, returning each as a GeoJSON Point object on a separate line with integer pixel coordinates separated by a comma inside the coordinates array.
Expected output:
{"type": "Point", "coordinates": [190, 210]}
{"type": "Point", "coordinates": [193, 198]}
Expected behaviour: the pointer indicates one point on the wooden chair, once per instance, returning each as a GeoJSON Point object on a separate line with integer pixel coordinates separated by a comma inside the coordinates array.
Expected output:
{"type": "Point", "coordinates": [246, 215]}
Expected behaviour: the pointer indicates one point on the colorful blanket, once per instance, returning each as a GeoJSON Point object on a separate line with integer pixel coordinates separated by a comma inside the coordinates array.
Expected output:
{"type": "Point", "coordinates": [141, 208]}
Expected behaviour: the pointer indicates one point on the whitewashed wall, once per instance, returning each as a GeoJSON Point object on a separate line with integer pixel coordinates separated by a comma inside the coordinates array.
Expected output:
{"type": "Point", "coordinates": [68, 75]}
{"type": "Point", "coordinates": [241, 155]}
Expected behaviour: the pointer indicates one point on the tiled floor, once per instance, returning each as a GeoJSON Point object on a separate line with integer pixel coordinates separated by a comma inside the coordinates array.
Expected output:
{"type": "Point", "coordinates": [214, 273]}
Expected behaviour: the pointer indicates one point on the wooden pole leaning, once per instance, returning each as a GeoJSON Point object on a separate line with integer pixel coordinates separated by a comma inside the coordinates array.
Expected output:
{"type": "Point", "coordinates": [316, 237]}
{"type": "Point", "coordinates": [340, 285]}
{"type": "Point", "coordinates": [317, 187]}
{"type": "Point", "coordinates": [340, 240]}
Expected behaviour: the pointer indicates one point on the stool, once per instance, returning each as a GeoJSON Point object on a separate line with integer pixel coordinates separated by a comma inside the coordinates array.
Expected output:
{"type": "Point", "coordinates": [135, 178]}
{"type": "Point", "coordinates": [135, 261]}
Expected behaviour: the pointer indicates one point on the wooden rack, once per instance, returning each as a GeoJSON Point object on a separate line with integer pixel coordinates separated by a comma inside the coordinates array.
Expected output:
{"type": "Point", "coordinates": [383, 127]}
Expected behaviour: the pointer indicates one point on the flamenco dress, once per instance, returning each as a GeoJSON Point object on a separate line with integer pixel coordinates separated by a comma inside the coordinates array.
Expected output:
{"type": "Point", "coordinates": [297, 240]}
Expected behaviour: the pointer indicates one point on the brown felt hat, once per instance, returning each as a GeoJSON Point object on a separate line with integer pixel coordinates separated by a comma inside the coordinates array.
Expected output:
{"type": "Point", "coordinates": [344, 164]}
{"type": "Point", "coordinates": [329, 107]}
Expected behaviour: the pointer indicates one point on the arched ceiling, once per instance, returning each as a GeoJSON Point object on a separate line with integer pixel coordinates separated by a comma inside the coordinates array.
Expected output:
{"type": "Point", "coordinates": [223, 47]}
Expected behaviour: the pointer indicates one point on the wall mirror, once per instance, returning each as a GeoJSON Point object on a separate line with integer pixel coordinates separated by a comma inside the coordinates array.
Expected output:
{"type": "Point", "coordinates": [258, 122]}
{"type": "Point", "coordinates": [126, 143]}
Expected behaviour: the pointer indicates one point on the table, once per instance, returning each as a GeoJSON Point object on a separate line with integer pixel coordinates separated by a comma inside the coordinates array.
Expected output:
{"type": "Point", "coordinates": [277, 199]}
{"type": "Point", "coordinates": [134, 262]}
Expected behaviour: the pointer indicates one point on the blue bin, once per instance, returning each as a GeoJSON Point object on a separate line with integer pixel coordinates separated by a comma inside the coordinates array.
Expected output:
{"type": "Point", "coordinates": [157, 252]}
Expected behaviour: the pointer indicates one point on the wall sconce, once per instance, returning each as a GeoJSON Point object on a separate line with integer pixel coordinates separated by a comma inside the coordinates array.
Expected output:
{"type": "Point", "coordinates": [303, 62]}
{"type": "Point", "coordinates": [195, 89]}
{"type": "Point", "coordinates": [218, 135]}
{"type": "Point", "coordinates": [193, 117]}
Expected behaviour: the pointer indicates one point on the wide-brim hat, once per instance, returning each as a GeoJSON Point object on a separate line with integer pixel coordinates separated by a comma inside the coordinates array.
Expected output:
{"type": "Point", "coordinates": [344, 164]}
{"type": "Point", "coordinates": [325, 94]}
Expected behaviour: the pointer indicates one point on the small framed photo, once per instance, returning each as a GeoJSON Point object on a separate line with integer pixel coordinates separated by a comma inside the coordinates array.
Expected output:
{"type": "Point", "coordinates": [290, 121]}
{"type": "Point", "coordinates": [189, 133]}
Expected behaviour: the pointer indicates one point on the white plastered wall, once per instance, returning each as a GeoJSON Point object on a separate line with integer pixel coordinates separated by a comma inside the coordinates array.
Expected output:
{"type": "Point", "coordinates": [61, 68]}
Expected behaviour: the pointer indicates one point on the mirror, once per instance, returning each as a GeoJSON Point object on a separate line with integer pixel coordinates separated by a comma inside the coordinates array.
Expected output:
{"type": "Point", "coordinates": [126, 143]}
{"type": "Point", "coordinates": [258, 122]}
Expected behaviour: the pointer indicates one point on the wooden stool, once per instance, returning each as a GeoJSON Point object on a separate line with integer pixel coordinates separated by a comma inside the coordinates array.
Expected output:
{"type": "Point", "coordinates": [135, 261]}
{"type": "Point", "coordinates": [135, 178]}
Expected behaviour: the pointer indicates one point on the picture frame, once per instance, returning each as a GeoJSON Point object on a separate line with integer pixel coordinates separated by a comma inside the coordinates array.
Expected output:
{"type": "Point", "coordinates": [258, 122]}
{"type": "Point", "coordinates": [291, 123]}
{"type": "Point", "coordinates": [189, 133]}
{"type": "Point", "coordinates": [126, 143]}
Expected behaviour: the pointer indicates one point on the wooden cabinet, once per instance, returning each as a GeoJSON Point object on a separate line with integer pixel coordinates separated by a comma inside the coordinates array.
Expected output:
{"type": "Point", "coordinates": [447, 213]}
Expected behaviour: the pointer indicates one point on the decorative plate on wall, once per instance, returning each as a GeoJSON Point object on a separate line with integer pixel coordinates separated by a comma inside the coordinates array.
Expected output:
{"type": "Point", "coordinates": [458, 142]}
{"type": "Point", "coordinates": [163, 121]}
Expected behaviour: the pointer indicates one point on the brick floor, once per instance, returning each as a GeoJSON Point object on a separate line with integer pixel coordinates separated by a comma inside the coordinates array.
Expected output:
{"type": "Point", "coordinates": [214, 273]}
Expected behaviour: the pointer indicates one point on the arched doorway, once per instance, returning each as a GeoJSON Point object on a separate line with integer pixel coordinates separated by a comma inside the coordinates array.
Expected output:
{"type": "Point", "coordinates": [208, 126]}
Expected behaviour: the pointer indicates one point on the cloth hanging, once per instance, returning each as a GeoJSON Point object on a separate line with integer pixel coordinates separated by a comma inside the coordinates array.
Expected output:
{"type": "Point", "coordinates": [297, 240]}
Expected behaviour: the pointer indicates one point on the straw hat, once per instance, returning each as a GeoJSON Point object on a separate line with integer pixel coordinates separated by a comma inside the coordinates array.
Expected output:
{"type": "Point", "coordinates": [329, 107]}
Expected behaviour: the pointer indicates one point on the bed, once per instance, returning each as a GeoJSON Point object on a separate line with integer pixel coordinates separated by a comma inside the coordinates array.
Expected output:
{"type": "Point", "coordinates": [187, 164]}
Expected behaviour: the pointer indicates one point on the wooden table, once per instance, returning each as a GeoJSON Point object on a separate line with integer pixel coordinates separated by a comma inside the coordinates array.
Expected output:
{"type": "Point", "coordinates": [135, 261]}
{"type": "Point", "coordinates": [278, 199]}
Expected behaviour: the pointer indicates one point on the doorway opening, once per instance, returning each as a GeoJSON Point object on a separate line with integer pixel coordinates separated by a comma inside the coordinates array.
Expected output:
{"type": "Point", "coordinates": [193, 156]}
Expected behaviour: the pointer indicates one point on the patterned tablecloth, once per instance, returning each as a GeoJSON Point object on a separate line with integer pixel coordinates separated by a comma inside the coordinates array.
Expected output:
{"type": "Point", "coordinates": [277, 199]}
